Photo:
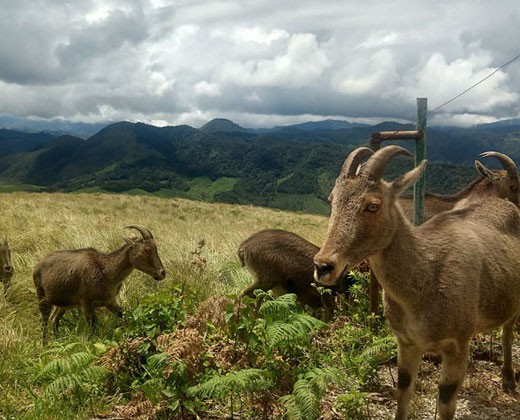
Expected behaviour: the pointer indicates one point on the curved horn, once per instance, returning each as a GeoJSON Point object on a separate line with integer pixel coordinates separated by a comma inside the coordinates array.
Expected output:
{"type": "Point", "coordinates": [145, 233]}
{"type": "Point", "coordinates": [353, 160]}
{"type": "Point", "coordinates": [375, 166]}
{"type": "Point", "coordinates": [506, 161]}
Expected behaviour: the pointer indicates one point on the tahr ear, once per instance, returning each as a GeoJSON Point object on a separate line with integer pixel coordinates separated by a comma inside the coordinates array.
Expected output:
{"type": "Point", "coordinates": [408, 179]}
{"type": "Point", "coordinates": [130, 241]}
{"type": "Point", "coordinates": [484, 171]}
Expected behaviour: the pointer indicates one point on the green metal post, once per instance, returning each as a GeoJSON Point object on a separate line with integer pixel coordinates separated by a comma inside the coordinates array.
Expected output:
{"type": "Point", "coordinates": [419, 136]}
{"type": "Point", "coordinates": [420, 152]}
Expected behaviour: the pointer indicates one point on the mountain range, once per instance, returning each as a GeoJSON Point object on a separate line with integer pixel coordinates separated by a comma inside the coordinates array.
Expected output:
{"type": "Point", "coordinates": [290, 167]}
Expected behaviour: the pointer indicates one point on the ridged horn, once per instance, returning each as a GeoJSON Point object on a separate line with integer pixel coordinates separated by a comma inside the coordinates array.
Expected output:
{"type": "Point", "coordinates": [508, 163]}
{"type": "Point", "coordinates": [353, 160]}
{"type": "Point", "coordinates": [145, 233]}
{"type": "Point", "coordinates": [375, 166]}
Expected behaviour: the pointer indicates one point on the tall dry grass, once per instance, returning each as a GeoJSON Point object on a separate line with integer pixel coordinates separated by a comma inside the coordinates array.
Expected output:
{"type": "Point", "coordinates": [39, 223]}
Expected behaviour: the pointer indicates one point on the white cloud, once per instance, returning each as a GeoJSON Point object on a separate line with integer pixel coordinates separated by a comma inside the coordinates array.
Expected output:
{"type": "Point", "coordinates": [158, 84]}
{"type": "Point", "coordinates": [441, 80]}
{"type": "Point", "coordinates": [380, 39]}
{"type": "Point", "coordinates": [373, 75]}
{"type": "Point", "coordinates": [254, 97]}
{"type": "Point", "coordinates": [258, 35]}
{"type": "Point", "coordinates": [169, 60]}
{"type": "Point", "coordinates": [206, 88]}
{"type": "Point", "coordinates": [97, 15]}
{"type": "Point", "coordinates": [302, 63]}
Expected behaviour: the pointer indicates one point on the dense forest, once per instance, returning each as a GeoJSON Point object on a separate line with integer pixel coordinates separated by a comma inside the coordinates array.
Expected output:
{"type": "Point", "coordinates": [285, 167]}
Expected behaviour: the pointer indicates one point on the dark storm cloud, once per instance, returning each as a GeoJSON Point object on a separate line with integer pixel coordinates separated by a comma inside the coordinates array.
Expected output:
{"type": "Point", "coordinates": [101, 38]}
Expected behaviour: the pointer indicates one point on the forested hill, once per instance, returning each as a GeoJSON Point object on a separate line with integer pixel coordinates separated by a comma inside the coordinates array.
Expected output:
{"type": "Point", "coordinates": [285, 167]}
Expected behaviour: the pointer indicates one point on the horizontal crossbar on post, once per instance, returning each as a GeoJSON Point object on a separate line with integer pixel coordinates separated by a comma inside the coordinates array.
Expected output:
{"type": "Point", "coordinates": [378, 137]}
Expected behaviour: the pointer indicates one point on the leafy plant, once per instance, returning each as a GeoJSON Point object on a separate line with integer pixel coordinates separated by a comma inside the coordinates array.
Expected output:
{"type": "Point", "coordinates": [270, 325]}
{"type": "Point", "coordinates": [156, 313]}
{"type": "Point", "coordinates": [73, 376]}
{"type": "Point", "coordinates": [352, 405]}
{"type": "Point", "coordinates": [167, 382]}
{"type": "Point", "coordinates": [304, 402]}
{"type": "Point", "coordinates": [272, 334]}
{"type": "Point", "coordinates": [233, 386]}
{"type": "Point", "coordinates": [286, 328]}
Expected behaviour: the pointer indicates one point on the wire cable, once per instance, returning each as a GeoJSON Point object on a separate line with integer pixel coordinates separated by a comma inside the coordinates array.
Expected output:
{"type": "Point", "coordinates": [474, 85]}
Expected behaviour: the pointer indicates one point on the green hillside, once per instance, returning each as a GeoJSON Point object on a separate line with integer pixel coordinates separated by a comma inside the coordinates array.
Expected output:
{"type": "Point", "coordinates": [290, 168]}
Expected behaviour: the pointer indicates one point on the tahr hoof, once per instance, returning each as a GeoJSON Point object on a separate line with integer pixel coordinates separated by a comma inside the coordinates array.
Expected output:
{"type": "Point", "coordinates": [509, 387]}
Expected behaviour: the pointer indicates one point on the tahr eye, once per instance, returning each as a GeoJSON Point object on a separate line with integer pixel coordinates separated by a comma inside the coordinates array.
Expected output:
{"type": "Point", "coordinates": [372, 207]}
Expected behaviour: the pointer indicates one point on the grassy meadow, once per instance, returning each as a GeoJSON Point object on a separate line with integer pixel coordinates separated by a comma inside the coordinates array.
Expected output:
{"type": "Point", "coordinates": [197, 272]}
{"type": "Point", "coordinates": [39, 223]}
{"type": "Point", "coordinates": [187, 347]}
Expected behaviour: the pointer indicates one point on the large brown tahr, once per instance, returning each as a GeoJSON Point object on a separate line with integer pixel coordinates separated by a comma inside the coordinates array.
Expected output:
{"type": "Point", "coordinates": [456, 275]}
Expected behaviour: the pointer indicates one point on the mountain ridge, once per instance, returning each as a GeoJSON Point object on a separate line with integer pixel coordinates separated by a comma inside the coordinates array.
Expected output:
{"type": "Point", "coordinates": [293, 168]}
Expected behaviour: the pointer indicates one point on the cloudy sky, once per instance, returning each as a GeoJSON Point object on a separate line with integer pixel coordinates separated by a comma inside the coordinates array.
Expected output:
{"type": "Point", "coordinates": [258, 62]}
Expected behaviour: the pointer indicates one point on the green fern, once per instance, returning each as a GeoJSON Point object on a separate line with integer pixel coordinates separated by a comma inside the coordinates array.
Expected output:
{"type": "Point", "coordinates": [76, 381]}
{"type": "Point", "coordinates": [280, 308]}
{"type": "Point", "coordinates": [381, 348]}
{"type": "Point", "coordinates": [241, 381]}
{"type": "Point", "coordinates": [293, 331]}
{"type": "Point", "coordinates": [69, 364]}
{"type": "Point", "coordinates": [72, 373]}
{"type": "Point", "coordinates": [304, 402]}
{"type": "Point", "coordinates": [283, 323]}
{"type": "Point", "coordinates": [157, 361]}
{"type": "Point", "coordinates": [321, 378]}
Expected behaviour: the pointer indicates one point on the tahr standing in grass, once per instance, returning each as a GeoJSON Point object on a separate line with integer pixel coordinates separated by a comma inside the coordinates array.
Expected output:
{"type": "Point", "coordinates": [89, 278]}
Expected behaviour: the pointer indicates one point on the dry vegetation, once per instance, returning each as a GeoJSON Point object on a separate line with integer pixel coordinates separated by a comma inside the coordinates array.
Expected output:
{"type": "Point", "coordinates": [37, 224]}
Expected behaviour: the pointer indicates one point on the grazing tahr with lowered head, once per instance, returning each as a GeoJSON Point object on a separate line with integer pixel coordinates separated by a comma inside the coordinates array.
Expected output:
{"type": "Point", "coordinates": [282, 261]}
{"type": "Point", "coordinates": [456, 275]}
{"type": "Point", "coordinates": [89, 278]}
{"type": "Point", "coordinates": [6, 268]}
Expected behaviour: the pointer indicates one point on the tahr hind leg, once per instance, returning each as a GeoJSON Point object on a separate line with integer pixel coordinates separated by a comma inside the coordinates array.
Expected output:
{"type": "Point", "coordinates": [454, 365]}
{"type": "Point", "coordinates": [508, 373]}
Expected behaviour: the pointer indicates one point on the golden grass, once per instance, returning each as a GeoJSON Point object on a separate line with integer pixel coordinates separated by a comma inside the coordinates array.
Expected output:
{"type": "Point", "coordinates": [39, 223]}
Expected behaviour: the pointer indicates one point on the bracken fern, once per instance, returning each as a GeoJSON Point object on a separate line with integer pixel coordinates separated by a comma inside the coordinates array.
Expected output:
{"type": "Point", "coordinates": [241, 381]}
{"type": "Point", "coordinates": [304, 402]}
{"type": "Point", "coordinates": [72, 374]}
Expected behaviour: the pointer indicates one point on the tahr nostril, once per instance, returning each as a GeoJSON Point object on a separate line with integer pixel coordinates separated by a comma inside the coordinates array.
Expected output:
{"type": "Point", "coordinates": [323, 268]}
